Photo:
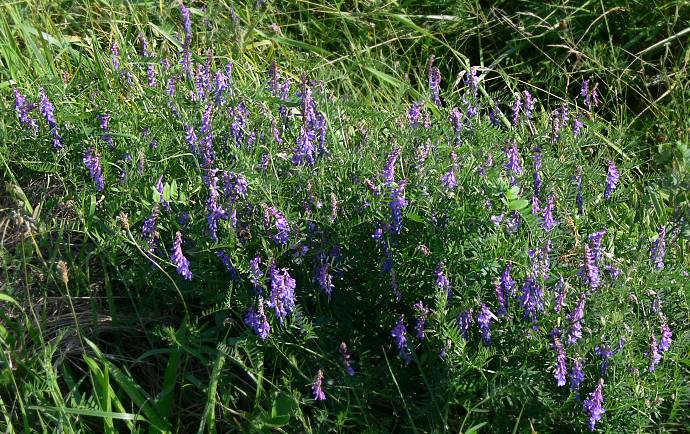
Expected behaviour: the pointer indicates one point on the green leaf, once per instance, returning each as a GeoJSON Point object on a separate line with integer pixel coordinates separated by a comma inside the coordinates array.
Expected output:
{"type": "Point", "coordinates": [90, 412]}
{"type": "Point", "coordinates": [414, 217]}
{"type": "Point", "coordinates": [518, 204]}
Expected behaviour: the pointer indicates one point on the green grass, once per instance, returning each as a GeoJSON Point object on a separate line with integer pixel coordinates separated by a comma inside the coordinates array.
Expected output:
{"type": "Point", "coordinates": [122, 345]}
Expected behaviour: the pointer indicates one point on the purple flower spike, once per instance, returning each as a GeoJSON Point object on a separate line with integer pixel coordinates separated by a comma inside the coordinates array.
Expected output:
{"type": "Point", "coordinates": [612, 179]}
{"type": "Point", "coordinates": [282, 297]}
{"type": "Point", "coordinates": [654, 355]}
{"type": "Point", "coordinates": [22, 107]}
{"type": "Point", "coordinates": [464, 323]}
{"type": "Point", "coordinates": [532, 298]}
{"type": "Point", "coordinates": [595, 240]}
{"type": "Point", "coordinates": [591, 271]}
{"type": "Point", "coordinates": [577, 126]}
{"type": "Point", "coordinates": [399, 333]}
{"type": "Point", "coordinates": [257, 321]}
{"type": "Point", "coordinates": [575, 319]}
{"type": "Point", "coordinates": [561, 369]}
{"type": "Point", "coordinates": [456, 121]}
{"type": "Point", "coordinates": [517, 106]}
{"type": "Point", "coordinates": [513, 166]}
{"type": "Point", "coordinates": [658, 251]}
{"type": "Point", "coordinates": [442, 281]}
{"type": "Point", "coordinates": [449, 180]}
{"type": "Point", "coordinates": [415, 113]}
{"type": "Point", "coordinates": [484, 319]}
{"type": "Point", "coordinates": [304, 152]}
{"type": "Point", "coordinates": [666, 338]}
{"type": "Point", "coordinates": [179, 259]}
{"type": "Point", "coordinates": [345, 354]}
{"type": "Point", "coordinates": [561, 290]}
{"type": "Point", "coordinates": [593, 405]}
{"type": "Point", "coordinates": [501, 298]}
{"type": "Point", "coordinates": [255, 274]}
{"type": "Point", "coordinates": [529, 105]}
{"type": "Point", "coordinates": [93, 163]}
{"type": "Point", "coordinates": [549, 222]}
{"type": "Point", "coordinates": [325, 279]}
{"type": "Point", "coordinates": [281, 225]}
{"type": "Point", "coordinates": [48, 112]}
{"type": "Point", "coordinates": [150, 229]}
{"type": "Point", "coordinates": [115, 53]}
{"type": "Point", "coordinates": [434, 83]}
{"type": "Point", "coordinates": [422, 314]}
{"type": "Point", "coordinates": [507, 282]}
{"type": "Point", "coordinates": [317, 387]}
{"type": "Point", "coordinates": [577, 375]}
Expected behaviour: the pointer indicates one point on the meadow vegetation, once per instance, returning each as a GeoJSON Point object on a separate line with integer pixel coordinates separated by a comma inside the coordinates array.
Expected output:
{"type": "Point", "coordinates": [349, 216]}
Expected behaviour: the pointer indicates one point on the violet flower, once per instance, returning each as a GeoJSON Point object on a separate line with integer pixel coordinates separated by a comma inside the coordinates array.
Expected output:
{"type": "Point", "coordinates": [464, 321]}
{"type": "Point", "coordinates": [658, 251]}
{"type": "Point", "coordinates": [612, 179]}
{"type": "Point", "coordinates": [325, 279]}
{"type": "Point", "coordinates": [507, 282]}
{"type": "Point", "coordinates": [595, 240]}
{"type": "Point", "coordinates": [448, 180]}
{"type": "Point", "coordinates": [536, 205]}
{"type": "Point", "coordinates": [414, 114]}
{"type": "Point", "coordinates": [654, 355]}
{"type": "Point", "coordinates": [399, 334]}
{"type": "Point", "coordinates": [666, 338]}
{"type": "Point", "coordinates": [501, 298]}
{"type": "Point", "coordinates": [577, 375]}
{"type": "Point", "coordinates": [575, 319]}
{"type": "Point", "coordinates": [281, 226]}
{"type": "Point", "coordinates": [517, 106]}
{"type": "Point", "coordinates": [472, 82]}
{"type": "Point", "coordinates": [150, 228]}
{"type": "Point", "coordinates": [513, 223]}
{"type": "Point", "coordinates": [532, 298]}
{"type": "Point", "coordinates": [561, 290]}
{"type": "Point", "coordinates": [513, 165]}
{"type": "Point", "coordinates": [561, 369]}
{"type": "Point", "coordinates": [484, 319]}
{"type": "Point", "coordinates": [434, 83]}
{"type": "Point", "coordinates": [282, 296]}
{"type": "Point", "coordinates": [304, 152]}
{"type": "Point", "coordinates": [93, 163]}
{"type": "Point", "coordinates": [48, 112]}
{"type": "Point", "coordinates": [115, 54]}
{"type": "Point", "coordinates": [179, 260]}
{"type": "Point", "coordinates": [22, 108]}
{"type": "Point", "coordinates": [256, 320]}
{"type": "Point", "coordinates": [422, 314]}
{"type": "Point", "coordinates": [345, 354]}
{"type": "Point", "coordinates": [442, 281]}
{"type": "Point", "coordinates": [104, 121]}
{"type": "Point", "coordinates": [529, 105]}
{"type": "Point", "coordinates": [456, 122]}
{"type": "Point", "coordinates": [577, 125]}
{"type": "Point", "coordinates": [549, 222]}
{"type": "Point", "coordinates": [591, 271]}
{"type": "Point", "coordinates": [160, 189]}
{"type": "Point", "coordinates": [317, 387]}
{"type": "Point", "coordinates": [593, 405]}
{"type": "Point", "coordinates": [255, 274]}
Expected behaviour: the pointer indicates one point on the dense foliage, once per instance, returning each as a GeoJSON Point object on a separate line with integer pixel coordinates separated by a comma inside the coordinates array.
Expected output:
{"type": "Point", "coordinates": [197, 240]}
